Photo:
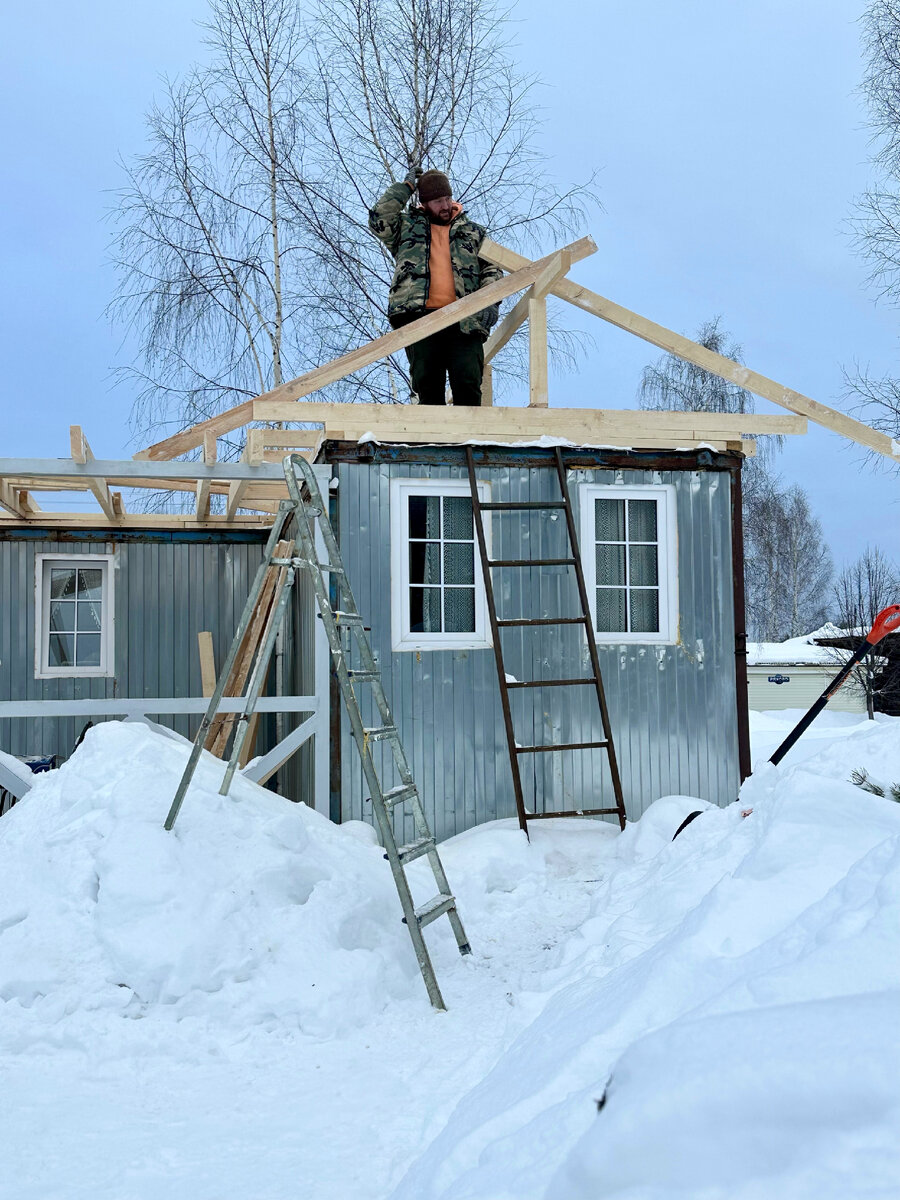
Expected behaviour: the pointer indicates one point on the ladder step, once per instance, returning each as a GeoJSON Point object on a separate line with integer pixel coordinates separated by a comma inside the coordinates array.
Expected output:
{"type": "Point", "coordinates": [399, 794]}
{"type": "Point", "coordinates": [380, 733]}
{"type": "Point", "coordinates": [433, 909]}
{"type": "Point", "coordinates": [349, 620]}
{"type": "Point", "coordinates": [531, 562]}
{"type": "Point", "coordinates": [511, 505]}
{"type": "Point", "coordinates": [575, 812]}
{"type": "Point", "coordinates": [363, 676]}
{"type": "Point", "coordinates": [533, 683]}
{"type": "Point", "coordinates": [413, 850]}
{"type": "Point", "coordinates": [543, 621]}
{"type": "Point", "coordinates": [565, 746]}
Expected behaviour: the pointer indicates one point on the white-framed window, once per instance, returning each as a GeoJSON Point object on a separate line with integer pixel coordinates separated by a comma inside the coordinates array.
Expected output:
{"type": "Point", "coordinates": [437, 591]}
{"type": "Point", "coordinates": [74, 615]}
{"type": "Point", "coordinates": [629, 549]}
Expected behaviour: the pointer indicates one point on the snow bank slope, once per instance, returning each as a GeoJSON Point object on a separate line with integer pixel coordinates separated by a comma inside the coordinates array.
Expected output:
{"type": "Point", "coordinates": [736, 995]}
{"type": "Point", "coordinates": [253, 911]}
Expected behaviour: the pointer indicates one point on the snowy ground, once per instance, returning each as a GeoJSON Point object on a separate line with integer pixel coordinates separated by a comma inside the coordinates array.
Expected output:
{"type": "Point", "coordinates": [234, 1011]}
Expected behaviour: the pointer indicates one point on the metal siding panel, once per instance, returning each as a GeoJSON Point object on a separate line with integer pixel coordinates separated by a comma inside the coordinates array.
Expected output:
{"type": "Point", "coordinates": [672, 710]}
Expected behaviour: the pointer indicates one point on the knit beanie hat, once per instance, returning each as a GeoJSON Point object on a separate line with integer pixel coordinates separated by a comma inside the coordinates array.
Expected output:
{"type": "Point", "coordinates": [433, 185]}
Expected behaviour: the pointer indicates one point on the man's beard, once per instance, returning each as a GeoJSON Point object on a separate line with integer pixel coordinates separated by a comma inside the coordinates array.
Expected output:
{"type": "Point", "coordinates": [442, 220]}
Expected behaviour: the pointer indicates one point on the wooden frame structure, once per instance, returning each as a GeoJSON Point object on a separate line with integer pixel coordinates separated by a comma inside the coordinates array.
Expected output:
{"type": "Point", "coordinates": [253, 487]}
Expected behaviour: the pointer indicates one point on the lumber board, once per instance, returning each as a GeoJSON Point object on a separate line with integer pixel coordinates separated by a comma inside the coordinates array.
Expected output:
{"type": "Point", "coordinates": [82, 520]}
{"type": "Point", "coordinates": [127, 472]}
{"type": "Point", "coordinates": [207, 662]}
{"type": "Point", "coordinates": [487, 386]}
{"type": "Point", "coordinates": [371, 352]}
{"type": "Point", "coordinates": [717, 364]}
{"type": "Point", "coordinates": [385, 420]}
{"type": "Point", "coordinates": [538, 380]}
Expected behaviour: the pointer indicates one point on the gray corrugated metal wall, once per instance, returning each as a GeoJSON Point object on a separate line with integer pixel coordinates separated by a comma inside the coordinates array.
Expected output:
{"type": "Point", "coordinates": [673, 708]}
{"type": "Point", "coordinates": [165, 593]}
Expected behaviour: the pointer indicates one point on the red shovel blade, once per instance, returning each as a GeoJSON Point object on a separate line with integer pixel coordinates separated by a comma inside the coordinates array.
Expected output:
{"type": "Point", "coordinates": [887, 621]}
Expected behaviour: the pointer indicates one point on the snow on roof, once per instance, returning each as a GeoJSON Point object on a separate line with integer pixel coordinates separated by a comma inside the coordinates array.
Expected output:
{"type": "Point", "coordinates": [799, 651]}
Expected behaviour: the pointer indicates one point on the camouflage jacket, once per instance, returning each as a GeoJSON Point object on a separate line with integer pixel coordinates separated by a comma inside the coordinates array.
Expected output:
{"type": "Point", "coordinates": [406, 231]}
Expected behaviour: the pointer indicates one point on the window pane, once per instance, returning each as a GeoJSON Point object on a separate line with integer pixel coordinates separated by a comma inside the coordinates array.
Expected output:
{"type": "Point", "coordinates": [645, 611]}
{"type": "Point", "coordinates": [424, 562]}
{"type": "Point", "coordinates": [459, 610]}
{"type": "Point", "coordinates": [459, 562]}
{"type": "Point", "coordinates": [62, 615]}
{"type": "Point", "coordinates": [458, 517]}
{"type": "Point", "coordinates": [609, 518]}
{"type": "Point", "coordinates": [611, 564]}
{"type": "Point", "coordinates": [62, 583]}
{"type": "Point", "coordinates": [90, 584]}
{"type": "Point", "coordinates": [611, 610]}
{"type": "Point", "coordinates": [425, 610]}
{"type": "Point", "coordinates": [424, 516]}
{"type": "Point", "coordinates": [642, 560]}
{"type": "Point", "coordinates": [642, 520]}
{"type": "Point", "coordinates": [89, 617]}
{"type": "Point", "coordinates": [87, 650]}
{"type": "Point", "coordinates": [62, 649]}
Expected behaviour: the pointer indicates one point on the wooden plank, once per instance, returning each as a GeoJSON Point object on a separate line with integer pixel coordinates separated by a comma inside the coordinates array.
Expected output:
{"type": "Point", "coordinates": [9, 500]}
{"type": "Point", "coordinates": [385, 420]}
{"type": "Point", "coordinates": [487, 386]}
{"type": "Point", "coordinates": [118, 505]}
{"type": "Point", "coordinates": [553, 272]}
{"type": "Point", "coordinates": [189, 439]}
{"type": "Point", "coordinates": [204, 486]}
{"type": "Point", "coordinates": [364, 356]}
{"type": "Point", "coordinates": [127, 471]}
{"type": "Point", "coordinates": [207, 663]}
{"type": "Point", "coordinates": [717, 364]}
{"type": "Point", "coordinates": [83, 520]}
{"type": "Point", "coordinates": [82, 454]}
{"type": "Point", "coordinates": [538, 383]}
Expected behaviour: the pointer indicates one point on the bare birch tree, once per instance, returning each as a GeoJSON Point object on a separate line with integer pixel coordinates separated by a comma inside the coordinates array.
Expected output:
{"type": "Point", "coordinates": [419, 83]}
{"type": "Point", "coordinates": [242, 239]}
{"type": "Point", "coordinates": [877, 218]}
{"type": "Point", "coordinates": [212, 259]}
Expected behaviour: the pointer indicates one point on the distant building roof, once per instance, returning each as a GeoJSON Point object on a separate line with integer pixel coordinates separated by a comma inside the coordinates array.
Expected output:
{"type": "Point", "coordinates": [798, 651]}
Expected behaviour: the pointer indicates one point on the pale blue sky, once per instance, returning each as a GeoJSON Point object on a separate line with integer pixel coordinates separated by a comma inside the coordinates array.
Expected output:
{"type": "Point", "coordinates": [730, 143]}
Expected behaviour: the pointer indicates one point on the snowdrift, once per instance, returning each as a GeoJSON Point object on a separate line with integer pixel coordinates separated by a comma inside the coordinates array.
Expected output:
{"type": "Point", "coordinates": [252, 911]}
{"type": "Point", "coordinates": [732, 1004]}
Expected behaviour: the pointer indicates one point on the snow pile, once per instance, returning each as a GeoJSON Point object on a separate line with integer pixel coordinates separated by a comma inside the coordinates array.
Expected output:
{"type": "Point", "coordinates": [253, 911]}
{"type": "Point", "coordinates": [734, 994]}
{"type": "Point", "coordinates": [799, 649]}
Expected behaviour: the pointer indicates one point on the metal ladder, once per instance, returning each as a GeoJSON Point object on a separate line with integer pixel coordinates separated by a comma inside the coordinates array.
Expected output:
{"type": "Point", "coordinates": [310, 515]}
{"type": "Point", "coordinates": [594, 681]}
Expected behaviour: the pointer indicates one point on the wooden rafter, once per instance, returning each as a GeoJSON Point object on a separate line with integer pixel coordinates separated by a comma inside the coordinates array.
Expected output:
{"type": "Point", "coordinates": [717, 364]}
{"type": "Point", "coordinates": [81, 453]}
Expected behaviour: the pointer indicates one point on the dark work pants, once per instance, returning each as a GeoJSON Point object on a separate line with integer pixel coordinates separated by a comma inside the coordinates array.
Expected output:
{"type": "Point", "coordinates": [450, 352]}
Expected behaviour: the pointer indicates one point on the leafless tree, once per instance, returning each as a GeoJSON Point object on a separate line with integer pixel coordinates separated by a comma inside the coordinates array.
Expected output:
{"type": "Point", "coordinates": [242, 239]}
{"type": "Point", "coordinates": [213, 261]}
{"type": "Point", "coordinates": [862, 590]}
{"type": "Point", "coordinates": [419, 83]}
{"type": "Point", "coordinates": [787, 568]}
{"type": "Point", "coordinates": [877, 218]}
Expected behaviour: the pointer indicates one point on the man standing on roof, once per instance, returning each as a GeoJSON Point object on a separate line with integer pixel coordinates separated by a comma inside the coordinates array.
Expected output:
{"type": "Point", "coordinates": [436, 246]}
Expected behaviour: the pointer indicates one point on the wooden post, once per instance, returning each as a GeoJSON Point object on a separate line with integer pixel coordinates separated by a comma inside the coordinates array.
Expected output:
{"type": "Point", "coordinates": [207, 663]}
{"type": "Point", "coordinates": [487, 386]}
{"type": "Point", "coordinates": [538, 394]}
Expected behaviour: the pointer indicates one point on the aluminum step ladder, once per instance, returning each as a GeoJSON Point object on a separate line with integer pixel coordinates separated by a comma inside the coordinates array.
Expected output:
{"type": "Point", "coordinates": [594, 681]}
{"type": "Point", "coordinates": [304, 521]}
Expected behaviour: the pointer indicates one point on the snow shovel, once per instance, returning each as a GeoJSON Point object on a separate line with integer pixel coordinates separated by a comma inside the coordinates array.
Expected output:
{"type": "Point", "coordinates": [887, 621]}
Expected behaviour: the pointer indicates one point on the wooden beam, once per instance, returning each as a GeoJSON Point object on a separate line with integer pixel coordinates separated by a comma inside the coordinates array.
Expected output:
{"type": "Point", "coordinates": [390, 421]}
{"type": "Point", "coordinates": [83, 520]}
{"type": "Point", "coordinates": [9, 500]}
{"type": "Point", "coordinates": [487, 386]}
{"type": "Point", "coordinates": [554, 271]}
{"type": "Point", "coordinates": [82, 454]}
{"type": "Point", "coordinates": [128, 473]}
{"type": "Point", "coordinates": [207, 663]}
{"type": "Point", "coordinates": [202, 490]}
{"type": "Point", "coordinates": [538, 384]}
{"type": "Point", "coordinates": [717, 364]}
{"type": "Point", "coordinates": [364, 356]}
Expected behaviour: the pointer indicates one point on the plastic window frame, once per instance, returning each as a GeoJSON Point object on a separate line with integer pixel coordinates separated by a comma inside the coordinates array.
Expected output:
{"type": "Point", "coordinates": [43, 565]}
{"type": "Point", "coordinates": [667, 562]}
{"type": "Point", "coordinates": [402, 637]}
